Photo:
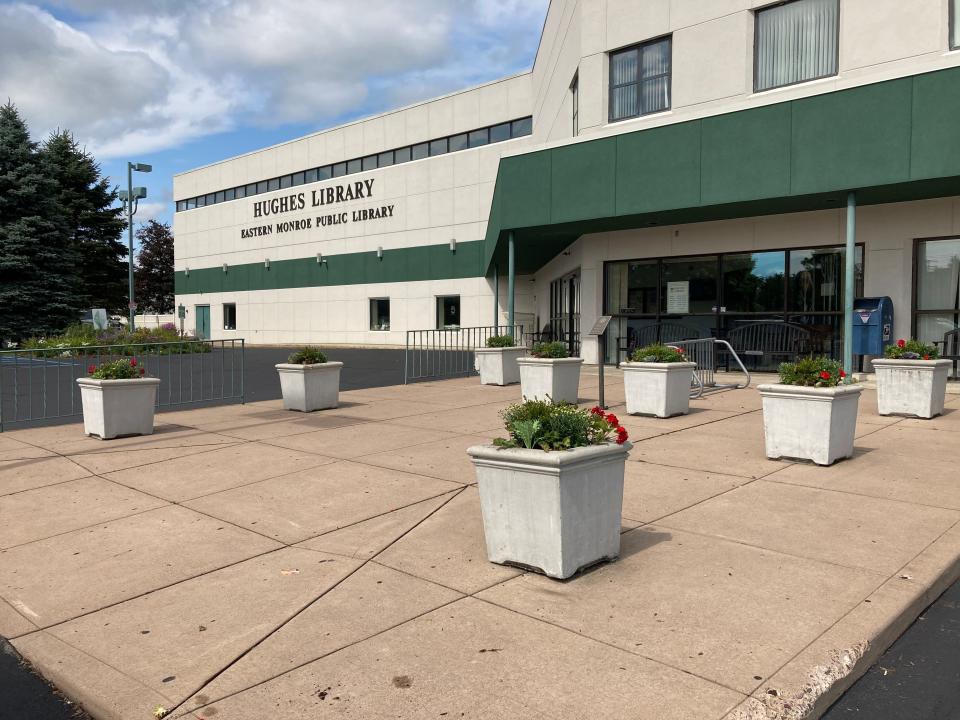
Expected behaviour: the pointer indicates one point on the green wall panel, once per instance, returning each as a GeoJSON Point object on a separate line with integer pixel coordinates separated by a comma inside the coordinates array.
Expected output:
{"type": "Point", "coordinates": [674, 150]}
{"type": "Point", "coordinates": [935, 148]}
{"type": "Point", "coordinates": [528, 202]}
{"type": "Point", "coordinates": [746, 155]}
{"type": "Point", "coordinates": [574, 199]}
{"type": "Point", "coordinates": [854, 138]}
{"type": "Point", "coordinates": [427, 262]}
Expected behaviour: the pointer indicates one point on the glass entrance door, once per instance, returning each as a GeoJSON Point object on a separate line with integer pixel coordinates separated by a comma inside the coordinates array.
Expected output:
{"type": "Point", "coordinates": [565, 311]}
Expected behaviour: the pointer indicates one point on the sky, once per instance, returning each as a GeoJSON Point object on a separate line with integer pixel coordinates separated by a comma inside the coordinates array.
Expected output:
{"type": "Point", "coordinates": [180, 84]}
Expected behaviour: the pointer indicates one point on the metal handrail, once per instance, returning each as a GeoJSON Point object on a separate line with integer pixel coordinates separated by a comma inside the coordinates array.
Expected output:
{"type": "Point", "coordinates": [448, 352]}
{"type": "Point", "coordinates": [701, 351]}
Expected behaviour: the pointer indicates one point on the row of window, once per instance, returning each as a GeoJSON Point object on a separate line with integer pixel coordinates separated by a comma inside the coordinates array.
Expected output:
{"type": "Point", "coordinates": [448, 313]}
{"type": "Point", "coordinates": [794, 42]}
{"type": "Point", "coordinates": [441, 146]}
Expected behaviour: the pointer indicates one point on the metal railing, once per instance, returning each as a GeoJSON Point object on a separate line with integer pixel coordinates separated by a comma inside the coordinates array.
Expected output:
{"type": "Point", "coordinates": [704, 353]}
{"type": "Point", "coordinates": [448, 352]}
{"type": "Point", "coordinates": [40, 383]}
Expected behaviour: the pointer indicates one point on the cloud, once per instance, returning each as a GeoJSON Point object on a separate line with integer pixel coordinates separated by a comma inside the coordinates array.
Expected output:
{"type": "Point", "coordinates": [151, 211]}
{"type": "Point", "coordinates": [140, 76]}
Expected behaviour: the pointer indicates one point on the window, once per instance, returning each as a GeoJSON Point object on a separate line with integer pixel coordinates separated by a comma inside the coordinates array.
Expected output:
{"type": "Point", "coordinates": [955, 24]}
{"type": "Point", "coordinates": [479, 137]}
{"type": "Point", "coordinates": [261, 187]}
{"type": "Point", "coordinates": [370, 162]}
{"type": "Point", "coordinates": [229, 316]}
{"type": "Point", "coordinates": [286, 181]}
{"type": "Point", "coordinates": [240, 192]}
{"type": "Point", "coordinates": [521, 127]}
{"type": "Point", "coordinates": [438, 147]}
{"type": "Point", "coordinates": [299, 178]}
{"type": "Point", "coordinates": [201, 201]}
{"type": "Point", "coordinates": [937, 288]}
{"type": "Point", "coordinates": [459, 142]}
{"type": "Point", "coordinates": [310, 176]}
{"type": "Point", "coordinates": [402, 155]}
{"type": "Point", "coordinates": [499, 133]}
{"type": "Point", "coordinates": [795, 42]}
{"type": "Point", "coordinates": [181, 205]}
{"type": "Point", "coordinates": [379, 313]}
{"type": "Point", "coordinates": [252, 189]}
{"type": "Point", "coordinates": [273, 184]}
{"type": "Point", "coordinates": [385, 159]}
{"type": "Point", "coordinates": [354, 166]}
{"type": "Point", "coordinates": [575, 100]}
{"type": "Point", "coordinates": [421, 151]}
{"type": "Point", "coordinates": [640, 79]}
{"type": "Point", "coordinates": [754, 282]}
{"type": "Point", "coordinates": [229, 194]}
{"type": "Point", "coordinates": [448, 312]}
{"type": "Point", "coordinates": [219, 197]}
{"type": "Point", "coordinates": [340, 169]}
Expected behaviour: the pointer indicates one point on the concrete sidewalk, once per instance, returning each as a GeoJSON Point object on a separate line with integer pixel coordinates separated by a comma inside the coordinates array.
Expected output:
{"type": "Point", "coordinates": [247, 563]}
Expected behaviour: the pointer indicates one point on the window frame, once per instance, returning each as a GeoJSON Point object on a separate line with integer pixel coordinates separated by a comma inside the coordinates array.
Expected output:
{"type": "Point", "coordinates": [224, 313]}
{"type": "Point", "coordinates": [756, 57]}
{"type": "Point", "coordinates": [371, 306]}
{"type": "Point", "coordinates": [638, 48]}
{"type": "Point", "coordinates": [440, 313]}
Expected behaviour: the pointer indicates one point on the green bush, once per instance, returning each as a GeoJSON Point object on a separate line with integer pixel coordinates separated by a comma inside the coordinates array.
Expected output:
{"type": "Point", "coordinates": [117, 370]}
{"type": "Point", "coordinates": [658, 353]}
{"type": "Point", "coordinates": [912, 350]}
{"type": "Point", "coordinates": [500, 341]}
{"type": "Point", "coordinates": [554, 349]}
{"type": "Point", "coordinates": [307, 356]}
{"type": "Point", "coordinates": [558, 426]}
{"type": "Point", "coordinates": [164, 340]}
{"type": "Point", "coordinates": [812, 372]}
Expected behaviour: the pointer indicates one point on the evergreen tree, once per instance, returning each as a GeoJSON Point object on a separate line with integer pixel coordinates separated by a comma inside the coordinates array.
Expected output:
{"type": "Point", "coordinates": [37, 263]}
{"type": "Point", "coordinates": [96, 227]}
{"type": "Point", "coordinates": [154, 271]}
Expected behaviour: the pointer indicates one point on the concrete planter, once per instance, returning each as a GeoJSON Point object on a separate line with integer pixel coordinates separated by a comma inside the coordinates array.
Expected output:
{"type": "Point", "coordinates": [113, 408]}
{"type": "Point", "coordinates": [556, 379]}
{"type": "Point", "coordinates": [661, 389]}
{"type": "Point", "coordinates": [809, 423]}
{"type": "Point", "coordinates": [911, 387]}
{"type": "Point", "coordinates": [557, 512]}
{"type": "Point", "coordinates": [310, 387]}
{"type": "Point", "coordinates": [498, 366]}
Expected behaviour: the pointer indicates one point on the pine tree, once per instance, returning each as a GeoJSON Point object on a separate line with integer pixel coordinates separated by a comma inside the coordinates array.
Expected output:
{"type": "Point", "coordinates": [95, 225]}
{"type": "Point", "coordinates": [37, 263]}
{"type": "Point", "coordinates": [154, 271]}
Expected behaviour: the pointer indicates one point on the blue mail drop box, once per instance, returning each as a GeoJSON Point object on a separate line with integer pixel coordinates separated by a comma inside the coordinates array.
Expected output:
{"type": "Point", "coordinates": [872, 325]}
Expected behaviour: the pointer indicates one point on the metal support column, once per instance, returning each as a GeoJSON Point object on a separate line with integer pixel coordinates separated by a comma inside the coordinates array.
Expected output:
{"type": "Point", "coordinates": [850, 261]}
{"type": "Point", "coordinates": [496, 299]}
{"type": "Point", "coordinates": [511, 279]}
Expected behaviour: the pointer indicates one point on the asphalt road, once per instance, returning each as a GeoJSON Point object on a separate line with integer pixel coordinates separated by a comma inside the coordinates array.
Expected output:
{"type": "Point", "coordinates": [26, 696]}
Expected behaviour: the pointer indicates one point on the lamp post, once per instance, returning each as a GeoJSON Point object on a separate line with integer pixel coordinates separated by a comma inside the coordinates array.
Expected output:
{"type": "Point", "coordinates": [130, 198]}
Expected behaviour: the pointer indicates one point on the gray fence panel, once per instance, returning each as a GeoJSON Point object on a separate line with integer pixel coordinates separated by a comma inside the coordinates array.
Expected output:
{"type": "Point", "coordinates": [448, 352]}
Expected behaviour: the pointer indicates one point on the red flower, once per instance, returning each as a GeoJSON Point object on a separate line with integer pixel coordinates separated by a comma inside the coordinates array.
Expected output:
{"type": "Point", "coordinates": [143, 371]}
{"type": "Point", "coordinates": [612, 419]}
{"type": "Point", "coordinates": [824, 375]}
{"type": "Point", "coordinates": [596, 410]}
{"type": "Point", "coordinates": [843, 374]}
{"type": "Point", "coordinates": [91, 369]}
{"type": "Point", "coordinates": [901, 343]}
{"type": "Point", "coordinates": [621, 435]}
{"type": "Point", "coordinates": [679, 351]}
{"type": "Point", "coordinates": [133, 362]}
{"type": "Point", "coordinates": [926, 357]}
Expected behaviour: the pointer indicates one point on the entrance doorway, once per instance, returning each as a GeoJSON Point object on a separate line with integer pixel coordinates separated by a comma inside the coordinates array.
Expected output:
{"type": "Point", "coordinates": [203, 321]}
{"type": "Point", "coordinates": [565, 311]}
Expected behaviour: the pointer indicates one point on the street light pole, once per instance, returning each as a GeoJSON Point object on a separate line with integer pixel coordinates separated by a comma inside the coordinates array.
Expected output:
{"type": "Point", "coordinates": [130, 197]}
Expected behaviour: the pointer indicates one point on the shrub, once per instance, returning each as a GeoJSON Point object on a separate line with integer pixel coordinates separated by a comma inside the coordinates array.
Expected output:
{"type": "Point", "coordinates": [812, 372]}
{"type": "Point", "coordinates": [307, 356]}
{"type": "Point", "coordinates": [558, 426]}
{"type": "Point", "coordinates": [658, 353]}
{"type": "Point", "coordinates": [912, 350]}
{"type": "Point", "coordinates": [554, 349]}
{"type": "Point", "coordinates": [500, 341]}
{"type": "Point", "coordinates": [71, 342]}
{"type": "Point", "coordinates": [117, 370]}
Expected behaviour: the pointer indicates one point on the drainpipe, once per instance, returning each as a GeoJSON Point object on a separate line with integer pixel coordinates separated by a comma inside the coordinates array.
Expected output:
{"type": "Point", "coordinates": [849, 263]}
{"type": "Point", "coordinates": [496, 299]}
{"type": "Point", "coordinates": [511, 280]}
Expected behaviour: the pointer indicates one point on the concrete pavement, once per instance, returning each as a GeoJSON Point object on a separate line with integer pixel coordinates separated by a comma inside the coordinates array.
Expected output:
{"type": "Point", "coordinates": [246, 562]}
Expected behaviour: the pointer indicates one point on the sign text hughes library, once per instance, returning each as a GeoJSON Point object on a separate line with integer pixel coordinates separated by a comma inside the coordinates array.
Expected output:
{"type": "Point", "coordinates": [328, 197]}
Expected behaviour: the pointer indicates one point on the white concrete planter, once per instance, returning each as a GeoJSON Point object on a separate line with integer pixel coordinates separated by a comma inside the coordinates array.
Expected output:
{"type": "Point", "coordinates": [113, 408]}
{"type": "Point", "coordinates": [310, 387]}
{"type": "Point", "coordinates": [498, 366]}
{"type": "Point", "coordinates": [556, 379]}
{"type": "Point", "coordinates": [661, 389]}
{"type": "Point", "coordinates": [557, 512]}
{"type": "Point", "coordinates": [809, 423]}
{"type": "Point", "coordinates": [911, 387]}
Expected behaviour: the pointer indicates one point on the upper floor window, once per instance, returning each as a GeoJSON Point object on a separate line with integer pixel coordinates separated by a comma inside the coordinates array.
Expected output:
{"type": "Point", "coordinates": [955, 24]}
{"type": "Point", "coordinates": [640, 79]}
{"type": "Point", "coordinates": [575, 100]}
{"type": "Point", "coordinates": [795, 42]}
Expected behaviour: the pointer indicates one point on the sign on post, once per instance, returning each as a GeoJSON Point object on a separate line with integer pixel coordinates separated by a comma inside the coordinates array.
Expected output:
{"type": "Point", "coordinates": [599, 329]}
{"type": "Point", "coordinates": [98, 316]}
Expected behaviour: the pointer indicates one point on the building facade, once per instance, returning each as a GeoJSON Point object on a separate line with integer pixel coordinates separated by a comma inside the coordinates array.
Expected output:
{"type": "Point", "coordinates": [665, 161]}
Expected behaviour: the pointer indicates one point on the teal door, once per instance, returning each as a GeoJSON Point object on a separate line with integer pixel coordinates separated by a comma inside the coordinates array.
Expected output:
{"type": "Point", "coordinates": [203, 321]}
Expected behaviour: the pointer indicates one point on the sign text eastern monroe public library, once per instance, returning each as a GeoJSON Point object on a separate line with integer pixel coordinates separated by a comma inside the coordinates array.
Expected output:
{"type": "Point", "coordinates": [323, 197]}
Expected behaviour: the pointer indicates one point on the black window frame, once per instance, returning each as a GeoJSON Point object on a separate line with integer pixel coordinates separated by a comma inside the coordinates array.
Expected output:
{"type": "Point", "coordinates": [402, 155]}
{"type": "Point", "coordinates": [641, 78]}
{"type": "Point", "coordinates": [505, 126]}
{"type": "Point", "coordinates": [461, 140]}
{"type": "Point", "coordinates": [476, 135]}
{"type": "Point", "coordinates": [519, 128]}
{"type": "Point", "coordinates": [372, 317]}
{"type": "Point", "coordinates": [756, 43]}
{"type": "Point", "coordinates": [415, 151]}
{"type": "Point", "coordinates": [439, 311]}
{"type": "Point", "coordinates": [234, 306]}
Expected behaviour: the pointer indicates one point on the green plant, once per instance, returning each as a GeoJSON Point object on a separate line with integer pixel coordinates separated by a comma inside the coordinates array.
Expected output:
{"type": "Point", "coordinates": [500, 341]}
{"type": "Point", "coordinates": [76, 340]}
{"type": "Point", "coordinates": [553, 349]}
{"type": "Point", "coordinates": [812, 372]}
{"type": "Point", "coordinates": [117, 370]}
{"type": "Point", "coordinates": [558, 426]}
{"type": "Point", "coordinates": [912, 350]}
{"type": "Point", "coordinates": [307, 356]}
{"type": "Point", "coordinates": [658, 353]}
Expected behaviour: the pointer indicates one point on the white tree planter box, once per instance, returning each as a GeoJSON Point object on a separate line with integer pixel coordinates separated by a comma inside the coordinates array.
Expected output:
{"type": "Point", "coordinates": [810, 423]}
{"type": "Point", "coordinates": [661, 389]}
{"type": "Point", "coordinates": [557, 512]}
{"type": "Point", "coordinates": [310, 387]}
{"type": "Point", "coordinates": [498, 366]}
{"type": "Point", "coordinates": [556, 379]}
{"type": "Point", "coordinates": [112, 408]}
{"type": "Point", "coordinates": [911, 387]}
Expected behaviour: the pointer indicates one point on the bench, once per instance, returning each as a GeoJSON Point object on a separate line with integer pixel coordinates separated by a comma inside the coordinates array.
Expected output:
{"type": "Point", "coordinates": [773, 339]}
{"type": "Point", "coordinates": [950, 348]}
{"type": "Point", "coordinates": [665, 332]}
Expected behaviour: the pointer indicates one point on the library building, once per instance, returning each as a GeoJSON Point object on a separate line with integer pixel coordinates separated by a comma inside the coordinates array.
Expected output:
{"type": "Point", "coordinates": [691, 169]}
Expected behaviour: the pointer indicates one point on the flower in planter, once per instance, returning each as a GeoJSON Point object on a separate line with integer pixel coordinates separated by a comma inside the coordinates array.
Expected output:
{"type": "Point", "coordinates": [658, 353]}
{"type": "Point", "coordinates": [912, 350]}
{"type": "Point", "coordinates": [307, 356]}
{"type": "Point", "coordinates": [812, 372]}
{"type": "Point", "coordinates": [500, 341]}
{"type": "Point", "coordinates": [553, 350]}
{"type": "Point", "coordinates": [537, 424]}
{"type": "Point", "coordinates": [117, 370]}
